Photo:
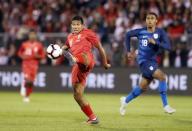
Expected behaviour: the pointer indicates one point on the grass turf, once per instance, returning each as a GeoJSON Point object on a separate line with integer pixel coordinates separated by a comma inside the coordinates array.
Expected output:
{"type": "Point", "coordinates": [59, 112]}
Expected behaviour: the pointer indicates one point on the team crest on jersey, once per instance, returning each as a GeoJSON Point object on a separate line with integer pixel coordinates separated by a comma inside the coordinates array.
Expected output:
{"type": "Point", "coordinates": [151, 68]}
{"type": "Point", "coordinates": [155, 35]}
{"type": "Point", "coordinates": [78, 38]}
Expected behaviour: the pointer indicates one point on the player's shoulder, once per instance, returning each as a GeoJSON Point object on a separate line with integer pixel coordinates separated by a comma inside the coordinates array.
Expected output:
{"type": "Point", "coordinates": [87, 31]}
{"type": "Point", "coordinates": [38, 43]}
{"type": "Point", "coordinates": [139, 29]}
{"type": "Point", "coordinates": [160, 30]}
{"type": "Point", "coordinates": [136, 31]}
{"type": "Point", "coordinates": [69, 35]}
{"type": "Point", "coordinates": [142, 28]}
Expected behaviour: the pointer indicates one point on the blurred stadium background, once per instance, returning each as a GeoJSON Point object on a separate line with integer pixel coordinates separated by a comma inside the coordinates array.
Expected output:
{"type": "Point", "coordinates": [110, 19]}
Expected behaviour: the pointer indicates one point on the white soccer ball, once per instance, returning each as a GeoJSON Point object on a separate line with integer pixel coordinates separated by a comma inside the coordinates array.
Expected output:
{"type": "Point", "coordinates": [54, 51]}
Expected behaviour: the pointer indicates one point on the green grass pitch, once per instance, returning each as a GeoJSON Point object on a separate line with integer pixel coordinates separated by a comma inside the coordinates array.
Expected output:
{"type": "Point", "coordinates": [59, 112]}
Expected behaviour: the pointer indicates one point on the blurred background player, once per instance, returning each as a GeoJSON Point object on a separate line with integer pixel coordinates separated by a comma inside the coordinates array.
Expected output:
{"type": "Point", "coordinates": [151, 39]}
{"type": "Point", "coordinates": [31, 52]}
{"type": "Point", "coordinates": [80, 43]}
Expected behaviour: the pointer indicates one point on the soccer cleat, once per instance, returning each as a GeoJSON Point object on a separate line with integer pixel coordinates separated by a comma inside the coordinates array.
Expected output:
{"type": "Point", "coordinates": [93, 121]}
{"type": "Point", "coordinates": [168, 109]}
{"type": "Point", "coordinates": [122, 109]}
{"type": "Point", "coordinates": [26, 99]}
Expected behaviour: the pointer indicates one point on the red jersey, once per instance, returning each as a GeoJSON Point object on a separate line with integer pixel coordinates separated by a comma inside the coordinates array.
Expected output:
{"type": "Point", "coordinates": [29, 49]}
{"type": "Point", "coordinates": [84, 41]}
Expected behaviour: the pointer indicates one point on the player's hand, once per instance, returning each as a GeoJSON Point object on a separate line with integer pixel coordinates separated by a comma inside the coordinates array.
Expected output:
{"type": "Point", "coordinates": [107, 66]}
{"type": "Point", "coordinates": [151, 41]}
{"type": "Point", "coordinates": [131, 55]}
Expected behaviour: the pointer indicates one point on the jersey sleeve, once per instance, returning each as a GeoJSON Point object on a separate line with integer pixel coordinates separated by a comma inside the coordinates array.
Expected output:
{"type": "Point", "coordinates": [164, 41]}
{"type": "Point", "coordinates": [129, 34]}
{"type": "Point", "coordinates": [41, 51]}
{"type": "Point", "coordinates": [92, 37]}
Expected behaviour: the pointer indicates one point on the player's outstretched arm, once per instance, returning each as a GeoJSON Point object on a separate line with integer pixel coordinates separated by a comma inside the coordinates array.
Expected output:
{"type": "Point", "coordinates": [103, 55]}
{"type": "Point", "coordinates": [165, 43]}
{"type": "Point", "coordinates": [129, 34]}
{"type": "Point", "coordinates": [133, 33]}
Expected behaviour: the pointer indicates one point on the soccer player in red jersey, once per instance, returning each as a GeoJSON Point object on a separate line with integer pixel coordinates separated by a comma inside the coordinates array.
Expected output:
{"type": "Point", "coordinates": [78, 48]}
{"type": "Point", "coordinates": [31, 52]}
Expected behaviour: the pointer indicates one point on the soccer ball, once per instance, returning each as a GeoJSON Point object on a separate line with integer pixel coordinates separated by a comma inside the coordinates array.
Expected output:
{"type": "Point", "coordinates": [54, 51]}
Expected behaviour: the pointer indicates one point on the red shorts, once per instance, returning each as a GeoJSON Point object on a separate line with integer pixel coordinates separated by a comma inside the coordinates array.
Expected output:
{"type": "Point", "coordinates": [81, 70]}
{"type": "Point", "coordinates": [29, 72]}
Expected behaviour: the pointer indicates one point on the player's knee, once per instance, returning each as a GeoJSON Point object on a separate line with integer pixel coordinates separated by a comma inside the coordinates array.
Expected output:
{"type": "Point", "coordinates": [28, 83]}
{"type": "Point", "coordinates": [143, 87]}
{"type": "Point", "coordinates": [163, 77]}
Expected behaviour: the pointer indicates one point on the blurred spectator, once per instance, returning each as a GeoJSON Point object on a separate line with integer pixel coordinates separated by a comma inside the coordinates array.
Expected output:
{"type": "Point", "coordinates": [109, 18]}
{"type": "Point", "coordinates": [189, 61]}
{"type": "Point", "coordinates": [3, 56]}
{"type": "Point", "coordinates": [179, 57]}
{"type": "Point", "coordinates": [166, 62]}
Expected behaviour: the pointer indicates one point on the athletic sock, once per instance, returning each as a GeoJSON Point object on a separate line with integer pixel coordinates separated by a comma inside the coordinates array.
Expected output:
{"type": "Point", "coordinates": [133, 94]}
{"type": "Point", "coordinates": [88, 111]}
{"type": "Point", "coordinates": [29, 90]}
{"type": "Point", "coordinates": [163, 92]}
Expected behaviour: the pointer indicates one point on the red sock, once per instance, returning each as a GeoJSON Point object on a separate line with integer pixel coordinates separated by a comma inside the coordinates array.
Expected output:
{"type": "Point", "coordinates": [88, 111]}
{"type": "Point", "coordinates": [29, 90]}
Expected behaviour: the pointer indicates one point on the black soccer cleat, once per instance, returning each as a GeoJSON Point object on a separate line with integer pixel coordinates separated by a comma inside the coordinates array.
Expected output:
{"type": "Point", "coordinates": [93, 121]}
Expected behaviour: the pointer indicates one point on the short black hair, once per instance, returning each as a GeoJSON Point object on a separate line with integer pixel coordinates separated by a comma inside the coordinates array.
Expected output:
{"type": "Point", "coordinates": [152, 13]}
{"type": "Point", "coordinates": [79, 18]}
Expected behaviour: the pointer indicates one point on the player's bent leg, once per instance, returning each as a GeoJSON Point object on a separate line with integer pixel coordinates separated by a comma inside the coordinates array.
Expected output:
{"type": "Point", "coordinates": [85, 107]}
{"type": "Point", "coordinates": [158, 74]}
{"type": "Point", "coordinates": [133, 94]}
{"type": "Point", "coordinates": [144, 83]}
{"type": "Point", "coordinates": [84, 61]}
